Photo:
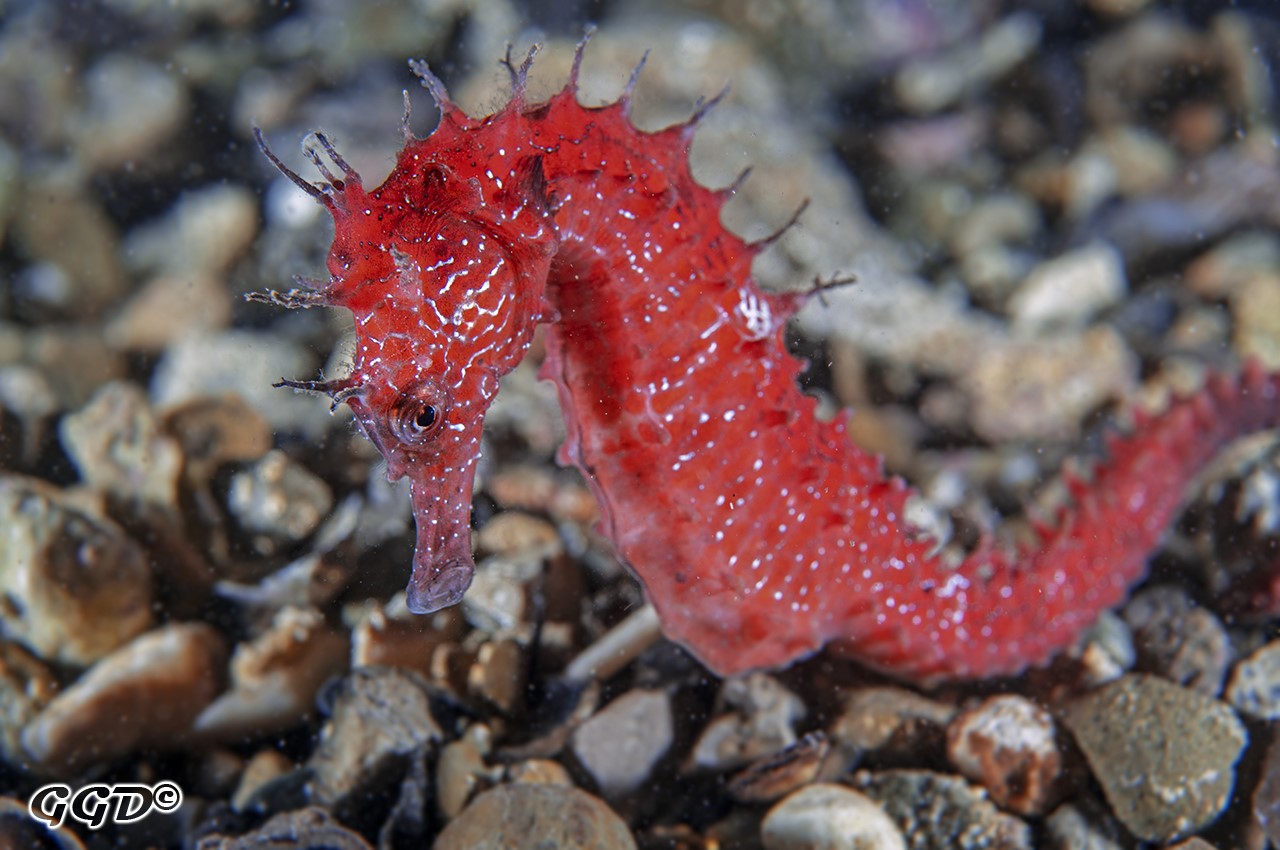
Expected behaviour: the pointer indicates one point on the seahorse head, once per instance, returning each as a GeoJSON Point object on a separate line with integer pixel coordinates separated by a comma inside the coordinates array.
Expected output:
{"type": "Point", "coordinates": [445, 295]}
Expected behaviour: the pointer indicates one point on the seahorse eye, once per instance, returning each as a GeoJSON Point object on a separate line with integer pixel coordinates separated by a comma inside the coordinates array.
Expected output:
{"type": "Point", "coordinates": [418, 414]}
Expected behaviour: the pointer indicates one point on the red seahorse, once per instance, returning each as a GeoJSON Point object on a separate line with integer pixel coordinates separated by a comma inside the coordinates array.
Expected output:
{"type": "Point", "coordinates": [759, 532]}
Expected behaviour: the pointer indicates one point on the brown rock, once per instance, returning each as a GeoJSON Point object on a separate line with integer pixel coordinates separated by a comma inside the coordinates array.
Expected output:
{"type": "Point", "coordinates": [943, 812]}
{"type": "Point", "coordinates": [532, 817]}
{"type": "Point", "coordinates": [146, 694]}
{"type": "Point", "coordinates": [829, 817]}
{"type": "Point", "coordinates": [622, 742]}
{"type": "Point", "coordinates": [890, 722]}
{"type": "Point", "coordinates": [761, 722]}
{"type": "Point", "coordinates": [1164, 755]}
{"type": "Point", "coordinates": [275, 677]}
{"type": "Point", "coordinates": [26, 687]}
{"type": "Point", "coordinates": [1007, 744]}
{"type": "Point", "coordinates": [119, 449]}
{"type": "Point", "coordinates": [76, 588]}
{"type": "Point", "coordinates": [381, 719]}
{"type": "Point", "coordinates": [306, 829]}
{"type": "Point", "coordinates": [462, 770]}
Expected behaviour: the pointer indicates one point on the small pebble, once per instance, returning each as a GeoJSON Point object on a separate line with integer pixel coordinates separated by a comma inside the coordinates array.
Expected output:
{"type": "Point", "coordinates": [1164, 755]}
{"type": "Point", "coordinates": [498, 673]}
{"type": "Point", "coordinates": [20, 831]}
{"type": "Point", "coordinates": [622, 742]}
{"type": "Point", "coordinates": [275, 677]}
{"type": "Point", "coordinates": [539, 772]}
{"type": "Point", "coordinates": [1256, 307]}
{"type": "Point", "coordinates": [1007, 744]}
{"type": "Point", "coordinates": [168, 308]}
{"type": "Point", "coordinates": [1041, 387]}
{"type": "Point", "coordinates": [1073, 828]}
{"type": "Point", "coordinates": [61, 223]}
{"type": "Point", "coordinates": [829, 817]}
{"type": "Point", "coordinates": [206, 230]}
{"type": "Point", "coordinates": [278, 501]}
{"type": "Point", "coordinates": [119, 448]}
{"type": "Point", "coordinates": [775, 776]}
{"type": "Point", "coordinates": [761, 722]}
{"type": "Point", "coordinates": [245, 362]}
{"type": "Point", "coordinates": [311, 828]}
{"type": "Point", "coordinates": [1266, 796]}
{"type": "Point", "coordinates": [263, 768]}
{"type": "Point", "coordinates": [26, 686]}
{"type": "Point", "coordinates": [1178, 639]}
{"type": "Point", "coordinates": [1069, 290]}
{"type": "Point", "coordinates": [891, 722]}
{"type": "Point", "coordinates": [381, 718]}
{"type": "Point", "coordinates": [462, 769]}
{"type": "Point", "coordinates": [939, 812]}
{"type": "Point", "coordinates": [535, 817]}
{"type": "Point", "coordinates": [76, 586]}
{"type": "Point", "coordinates": [133, 107]}
{"type": "Point", "coordinates": [1254, 688]}
{"type": "Point", "coordinates": [145, 695]}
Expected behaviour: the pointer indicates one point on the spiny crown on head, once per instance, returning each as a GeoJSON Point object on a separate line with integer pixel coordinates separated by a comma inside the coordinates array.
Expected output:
{"type": "Point", "coordinates": [442, 268]}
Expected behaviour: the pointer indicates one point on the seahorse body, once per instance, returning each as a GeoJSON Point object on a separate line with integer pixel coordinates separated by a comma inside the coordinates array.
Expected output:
{"type": "Point", "coordinates": [759, 532]}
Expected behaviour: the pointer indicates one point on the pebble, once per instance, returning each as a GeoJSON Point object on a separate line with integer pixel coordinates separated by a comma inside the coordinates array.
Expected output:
{"type": "Point", "coordinates": [26, 686]}
{"type": "Point", "coordinates": [1254, 688]}
{"type": "Point", "coordinates": [76, 586]}
{"type": "Point", "coordinates": [278, 502]}
{"type": "Point", "coordinates": [246, 362]}
{"type": "Point", "coordinates": [930, 84]}
{"type": "Point", "coordinates": [146, 694]}
{"type": "Point", "coordinates": [1165, 755]}
{"type": "Point", "coordinates": [206, 230]}
{"type": "Point", "coordinates": [168, 308]}
{"type": "Point", "coordinates": [119, 448]}
{"type": "Point", "coordinates": [275, 677]}
{"type": "Point", "coordinates": [20, 831]}
{"type": "Point", "coordinates": [939, 812]}
{"type": "Point", "coordinates": [1070, 289]}
{"type": "Point", "coordinates": [381, 719]}
{"type": "Point", "coordinates": [133, 107]}
{"type": "Point", "coordinates": [829, 817]}
{"type": "Point", "coordinates": [61, 224]}
{"type": "Point", "coordinates": [620, 744]}
{"type": "Point", "coordinates": [775, 776]}
{"type": "Point", "coordinates": [1007, 744]}
{"type": "Point", "coordinates": [761, 721]}
{"type": "Point", "coordinates": [1222, 269]}
{"type": "Point", "coordinates": [215, 430]}
{"type": "Point", "coordinates": [1266, 796]}
{"type": "Point", "coordinates": [539, 772]}
{"type": "Point", "coordinates": [73, 359]}
{"type": "Point", "coordinates": [891, 723]}
{"type": "Point", "coordinates": [1040, 388]}
{"type": "Point", "coordinates": [1178, 639]}
{"type": "Point", "coordinates": [383, 635]}
{"type": "Point", "coordinates": [497, 675]}
{"type": "Point", "coordinates": [462, 769]}
{"type": "Point", "coordinates": [1108, 651]}
{"type": "Point", "coordinates": [533, 817]}
{"type": "Point", "coordinates": [1256, 308]}
{"type": "Point", "coordinates": [263, 768]}
{"type": "Point", "coordinates": [1074, 828]}
{"type": "Point", "coordinates": [311, 828]}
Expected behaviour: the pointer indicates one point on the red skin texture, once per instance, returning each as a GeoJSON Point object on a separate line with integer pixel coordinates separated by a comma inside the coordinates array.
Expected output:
{"type": "Point", "coordinates": [759, 533]}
